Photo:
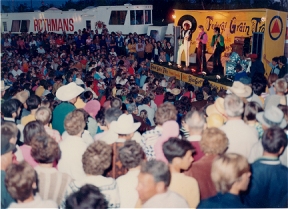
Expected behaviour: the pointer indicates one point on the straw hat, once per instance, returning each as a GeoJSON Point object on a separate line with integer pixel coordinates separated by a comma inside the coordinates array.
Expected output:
{"type": "Point", "coordinates": [124, 125]}
{"type": "Point", "coordinates": [215, 120]}
{"type": "Point", "coordinates": [22, 96]}
{"type": "Point", "coordinates": [216, 108]}
{"type": "Point", "coordinates": [240, 90]}
{"type": "Point", "coordinates": [175, 91]}
{"type": "Point", "coordinates": [69, 91]}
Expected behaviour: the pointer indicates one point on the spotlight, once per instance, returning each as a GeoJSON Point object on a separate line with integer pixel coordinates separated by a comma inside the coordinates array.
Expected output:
{"type": "Point", "coordinates": [152, 60]}
{"type": "Point", "coordinates": [169, 63]}
{"type": "Point", "coordinates": [193, 70]}
{"type": "Point", "coordinates": [218, 77]}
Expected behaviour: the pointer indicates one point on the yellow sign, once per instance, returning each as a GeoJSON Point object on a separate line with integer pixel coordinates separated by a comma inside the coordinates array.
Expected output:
{"type": "Point", "coordinates": [166, 71]}
{"type": "Point", "coordinates": [193, 80]}
{"type": "Point", "coordinates": [196, 81]}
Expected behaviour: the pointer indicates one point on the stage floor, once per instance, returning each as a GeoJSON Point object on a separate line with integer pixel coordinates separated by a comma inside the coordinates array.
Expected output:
{"type": "Point", "coordinates": [188, 76]}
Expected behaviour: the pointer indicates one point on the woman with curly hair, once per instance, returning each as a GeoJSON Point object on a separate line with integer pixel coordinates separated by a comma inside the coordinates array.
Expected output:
{"type": "Point", "coordinates": [52, 183]}
{"type": "Point", "coordinates": [96, 159]}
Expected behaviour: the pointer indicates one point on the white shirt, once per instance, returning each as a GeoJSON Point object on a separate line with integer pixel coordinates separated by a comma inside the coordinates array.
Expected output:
{"type": "Point", "coordinates": [41, 51]}
{"type": "Point", "coordinates": [36, 203]}
{"type": "Point", "coordinates": [72, 148]}
{"type": "Point", "coordinates": [166, 200]}
{"type": "Point", "coordinates": [150, 112]}
{"type": "Point", "coordinates": [127, 188]}
{"type": "Point", "coordinates": [241, 137]}
{"type": "Point", "coordinates": [119, 80]}
{"type": "Point", "coordinates": [16, 73]}
{"type": "Point", "coordinates": [86, 137]}
{"type": "Point", "coordinates": [108, 187]}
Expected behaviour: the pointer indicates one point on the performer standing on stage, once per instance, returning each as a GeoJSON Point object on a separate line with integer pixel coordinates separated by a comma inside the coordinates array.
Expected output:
{"type": "Point", "coordinates": [201, 42]}
{"type": "Point", "coordinates": [184, 42]}
{"type": "Point", "coordinates": [219, 47]}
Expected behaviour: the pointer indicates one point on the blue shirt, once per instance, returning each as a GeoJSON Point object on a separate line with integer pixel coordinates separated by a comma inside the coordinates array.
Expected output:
{"type": "Point", "coordinates": [268, 186]}
{"type": "Point", "coordinates": [240, 75]}
{"type": "Point", "coordinates": [142, 80]}
{"type": "Point", "coordinates": [6, 198]}
{"type": "Point", "coordinates": [226, 200]}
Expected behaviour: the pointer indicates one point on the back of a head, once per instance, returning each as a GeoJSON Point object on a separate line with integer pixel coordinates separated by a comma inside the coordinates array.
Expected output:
{"type": "Point", "coordinates": [175, 147]}
{"type": "Point", "coordinates": [9, 130]}
{"type": "Point", "coordinates": [165, 112]}
{"type": "Point", "coordinates": [214, 141]}
{"type": "Point", "coordinates": [131, 154]}
{"type": "Point", "coordinates": [74, 122]}
{"type": "Point", "coordinates": [88, 196]}
{"type": "Point", "coordinates": [281, 86]}
{"type": "Point", "coordinates": [97, 158]}
{"type": "Point", "coordinates": [195, 120]}
{"type": "Point", "coordinates": [44, 115]}
{"type": "Point", "coordinates": [250, 111]}
{"type": "Point", "coordinates": [131, 108]}
{"type": "Point", "coordinates": [112, 114]}
{"type": "Point", "coordinates": [146, 100]}
{"type": "Point", "coordinates": [227, 169]}
{"type": "Point", "coordinates": [9, 107]}
{"type": "Point", "coordinates": [158, 169]}
{"type": "Point", "coordinates": [33, 102]}
{"type": "Point", "coordinates": [44, 149]}
{"type": "Point", "coordinates": [274, 139]}
{"type": "Point", "coordinates": [233, 106]}
{"type": "Point", "coordinates": [19, 180]}
{"type": "Point", "coordinates": [116, 103]}
{"type": "Point", "coordinates": [32, 129]}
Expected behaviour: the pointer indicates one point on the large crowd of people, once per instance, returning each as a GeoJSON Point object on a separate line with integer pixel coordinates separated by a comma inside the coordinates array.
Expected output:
{"type": "Point", "coordinates": [86, 124]}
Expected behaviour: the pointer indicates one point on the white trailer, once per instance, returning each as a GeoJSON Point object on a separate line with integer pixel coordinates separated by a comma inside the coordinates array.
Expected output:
{"type": "Point", "coordinates": [127, 18]}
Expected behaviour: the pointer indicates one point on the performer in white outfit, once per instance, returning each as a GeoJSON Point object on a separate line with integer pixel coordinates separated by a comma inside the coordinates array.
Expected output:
{"type": "Point", "coordinates": [184, 41]}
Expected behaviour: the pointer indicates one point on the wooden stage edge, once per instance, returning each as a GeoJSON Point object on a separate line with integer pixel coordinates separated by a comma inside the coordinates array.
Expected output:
{"type": "Point", "coordinates": [193, 79]}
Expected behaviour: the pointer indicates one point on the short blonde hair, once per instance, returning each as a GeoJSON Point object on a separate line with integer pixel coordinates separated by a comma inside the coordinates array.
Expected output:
{"type": "Point", "coordinates": [227, 169]}
{"type": "Point", "coordinates": [74, 122]}
{"type": "Point", "coordinates": [213, 141]}
{"type": "Point", "coordinates": [281, 86]}
{"type": "Point", "coordinates": [44, 115]}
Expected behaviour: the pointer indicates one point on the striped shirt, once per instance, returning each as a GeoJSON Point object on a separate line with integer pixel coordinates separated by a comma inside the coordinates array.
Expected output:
{"type": "Point", "coordinates": [52, 184]}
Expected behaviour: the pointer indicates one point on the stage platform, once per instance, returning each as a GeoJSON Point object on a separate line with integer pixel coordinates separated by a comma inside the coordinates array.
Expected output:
{"type": "Point", "coordinates": [194, 79]}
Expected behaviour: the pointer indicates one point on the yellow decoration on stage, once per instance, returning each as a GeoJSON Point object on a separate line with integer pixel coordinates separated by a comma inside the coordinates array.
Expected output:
{"type": "Point", "coordinates": [193, 80]}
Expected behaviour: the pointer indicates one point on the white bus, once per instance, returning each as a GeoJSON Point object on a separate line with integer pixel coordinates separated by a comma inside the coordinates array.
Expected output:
{"type": "Point", "coordinates": [127, 18]}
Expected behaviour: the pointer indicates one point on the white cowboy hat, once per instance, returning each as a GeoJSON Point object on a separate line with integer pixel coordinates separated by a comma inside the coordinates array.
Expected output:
{"type": "Point", "coordinates": [3, 87]}
{"type": "Point", "coordinates": [78, 81]}
{"type": "Point", "coordinates": [216, 108]}
{"type": "Point", "coordinates": [175, 91]}
{"type": "Point", "coordinates": [124, 125]}
{"type": "Point", "coordinates": [272, 116]}
{"type": "Point", "coordinates": [187, 22]}
{"type": "Point", "coordinates": [22, 96]}
{"type": "Point", "coordinates": [68, 92]}
{"type": "Point", "coordinates": [240, 90]}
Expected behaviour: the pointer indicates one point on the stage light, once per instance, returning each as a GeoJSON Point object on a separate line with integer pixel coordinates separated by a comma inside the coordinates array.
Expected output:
{"type": "Point", "coordinates": [204, 73]}
{"type": "Point", "coordinates": [193, 70]}
{"type": "Point", "coordinates": [174, 16]}
{"type": "Point", "coordinates": [218, 77]}
{"type": "Point", "coordinates": [152, 60]}
{"type": "Point", "coordinates": [169, 63]}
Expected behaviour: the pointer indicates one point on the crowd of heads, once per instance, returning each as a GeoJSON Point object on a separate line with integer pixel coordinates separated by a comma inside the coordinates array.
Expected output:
{"type": "Point", "coordinates": [84, 112]}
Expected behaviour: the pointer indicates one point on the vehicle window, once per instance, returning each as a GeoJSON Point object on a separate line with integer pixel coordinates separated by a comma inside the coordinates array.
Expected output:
{"type": "Point", "coordinates": [136, 17]}
{"type": "Point", "coordinates": [117, 17]}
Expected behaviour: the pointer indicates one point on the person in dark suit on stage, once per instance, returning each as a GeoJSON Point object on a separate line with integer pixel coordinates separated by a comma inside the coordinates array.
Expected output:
{"type": "Point", "coordinates": [201, 42]}
{"type": "Point", "coordinates": [219, 47]}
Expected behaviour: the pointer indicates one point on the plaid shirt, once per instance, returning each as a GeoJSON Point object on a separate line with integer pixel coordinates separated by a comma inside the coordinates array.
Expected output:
{"type": "Point", "coordinates": [148, 141]}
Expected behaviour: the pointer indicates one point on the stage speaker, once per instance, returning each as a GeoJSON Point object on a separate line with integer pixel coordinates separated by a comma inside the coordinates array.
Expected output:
{"type": "Point", "coordinates": [257, 44]}
{"type": "Point", "coordinates": [176, 31]}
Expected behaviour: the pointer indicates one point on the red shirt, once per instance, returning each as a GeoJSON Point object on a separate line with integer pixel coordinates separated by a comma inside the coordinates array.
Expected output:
{"type": "Point", "coordinates": [59, 41]}
{"type": "Point", "coordinates": [159, 99]}
{"type": "Point", "coordinates": [83, 62]}
{"type": "Point", "coordinates": [131, 71]}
